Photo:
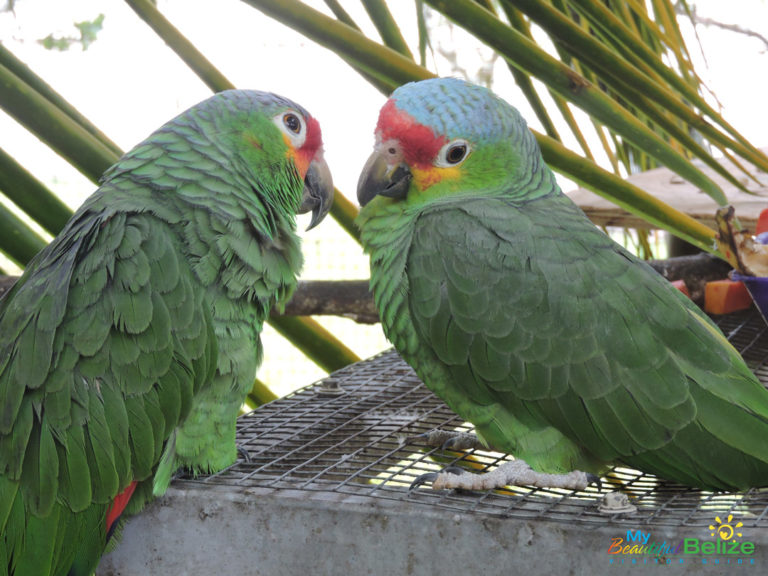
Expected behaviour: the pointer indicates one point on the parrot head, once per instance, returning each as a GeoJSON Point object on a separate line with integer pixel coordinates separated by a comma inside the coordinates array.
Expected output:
{"type": "Point", "coordinates": [276, 139]}
{"type": "Point", "coordinates": [446, 138]}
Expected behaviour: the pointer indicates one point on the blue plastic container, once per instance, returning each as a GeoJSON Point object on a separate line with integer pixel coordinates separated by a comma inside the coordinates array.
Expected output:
{"type": "Point", "coordinates": [758, 289]}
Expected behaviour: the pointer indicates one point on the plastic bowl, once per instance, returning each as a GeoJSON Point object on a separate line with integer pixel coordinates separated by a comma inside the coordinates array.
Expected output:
{"type": "Point", "coordinates": [758, 289]}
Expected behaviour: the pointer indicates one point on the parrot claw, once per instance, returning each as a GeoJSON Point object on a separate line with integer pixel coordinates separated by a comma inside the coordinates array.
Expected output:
{"type": "Point", "coordinates": [432, 476]}
{"type": "Point", "coordinates": [448, 440]}
{"type": "Point", "coordinates": [463, 441]}
{"type": "Point", "coordinates": [594, 479]}
{"type": "Point", "coordinates": [514, 473]}
{"type": "Point", "coordinates": [243, 454]}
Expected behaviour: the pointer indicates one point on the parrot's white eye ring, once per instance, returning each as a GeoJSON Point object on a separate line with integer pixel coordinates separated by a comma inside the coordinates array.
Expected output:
{"type": "Point", "coordinates": [292, 124]}
{"type": "Point", "coordinates": [453, 153]}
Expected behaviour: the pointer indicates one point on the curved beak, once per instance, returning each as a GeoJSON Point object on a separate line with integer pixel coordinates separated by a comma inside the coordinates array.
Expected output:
{"type": "Point", "coordinates": [379, 178]}
{"type": "Point", "coordinates": [318, 192]}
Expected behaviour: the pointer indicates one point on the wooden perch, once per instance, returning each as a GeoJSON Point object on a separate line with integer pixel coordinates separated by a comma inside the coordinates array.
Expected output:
{"type": "Point", "coordinates": [352, 299]}
{"type": "Point", "coordinates": [347, 298]}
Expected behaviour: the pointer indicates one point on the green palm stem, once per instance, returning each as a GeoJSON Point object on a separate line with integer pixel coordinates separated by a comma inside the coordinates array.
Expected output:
{"type": "Point", "coordinates": [735, 161]}
{"type": "Point", "coordinates": [664, 12]}
{"type": "Point", "coordinates": [612, 158]}
{"type": "Point", "coordinates": [386, 26]}
{"type": "Point", "coordinates": [31, 195]}
{"type": "Point", "coordinates": [627, 195]}
{"type": "Point", "coordinates": [519, 23]}
{"type": "Point", "coordinates": [641, 47]}
{"type": "Point", "coordinates": [191, 56]}
{"type": "Point", "coordinates": [635, 12]}
{"type": "Point", "coordinates": [345, 212]}
{"type": "Point", "coordinates": [558, 76]}
{"type": "Point", "coordinates": [632, 73]}
{"type": "Point", "coordinates": [524, 82]}
{"type": "Point", "coordinates": [644, 244]}
{"type": "Point", "coordinates": [49, 123]}
{"type": "Point", "coordinates": [672, 40]}
{"type": "Point", "coordinates": [341, 14]}
{"type": "Point", "coordinates": [19, 242]}
{"type": "Point", "coordinates": [637, 88]}
{"type": "Point", "coordinates": [622, 155]}
{"type": "Point", "coordinates": [676, 129]}
{"type": "Point", "coordinates": [259, 395]}
{"type": "Point", "coordinates": [421, 25]}
{"type": "Point", "coordinates": [641, 26]}
{"type": "Point", "coordinates": [345, 18]}
{"type": "Point", "coordinates": [573, 125]}
{"type": "Point", "coordinates": [22, 71]}
{"type": "Point", "coordinates": [624, 12]}
{"type": "Point", "coordinates": [600, 128]}
{"type": "Point", "coordinates": [318, 344]}
{"type": "Point", "coordinates": [363, 54]}
{"type": "Point", "coordinates": [560, 101]}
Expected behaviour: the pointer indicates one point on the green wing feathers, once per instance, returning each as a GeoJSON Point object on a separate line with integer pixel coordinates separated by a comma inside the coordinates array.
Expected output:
{"type": "Point", "coordinates": [86, 404]}
{"type": "Point", "coordinates": [541, 322]}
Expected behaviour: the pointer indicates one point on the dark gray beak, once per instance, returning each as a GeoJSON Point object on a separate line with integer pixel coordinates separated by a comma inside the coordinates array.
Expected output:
{"type": "Point", "coordinates": [379, 178]}
{"type": "Point", "coordinates": [318, 192]}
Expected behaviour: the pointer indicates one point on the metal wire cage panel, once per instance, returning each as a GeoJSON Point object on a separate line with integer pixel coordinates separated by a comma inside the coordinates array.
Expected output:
{"type": "Point", "coordinates": [354, 437]}
{"type": "Point", "coordinates": [357, 431]}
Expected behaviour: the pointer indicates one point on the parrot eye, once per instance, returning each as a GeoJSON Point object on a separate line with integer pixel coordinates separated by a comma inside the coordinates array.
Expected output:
{"type": "Point", "coordinates": [292, 122]}
{"type": "Point", "coordinates": [292, 125]}
{"type": "Point", "coordinates": [453, 153]}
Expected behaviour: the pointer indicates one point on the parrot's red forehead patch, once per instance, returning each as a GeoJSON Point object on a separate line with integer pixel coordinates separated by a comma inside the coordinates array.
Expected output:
{"type": "Point", "coordinates": [420, 144]}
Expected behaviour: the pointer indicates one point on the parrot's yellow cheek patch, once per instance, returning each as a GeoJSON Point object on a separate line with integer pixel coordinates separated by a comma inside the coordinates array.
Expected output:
{"type": "Point", "coordinates": [299, 160]}
{"type": "Point", "coordinates": [423, 178]}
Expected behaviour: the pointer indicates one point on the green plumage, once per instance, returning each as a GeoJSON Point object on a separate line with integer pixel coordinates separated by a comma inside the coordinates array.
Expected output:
{"type": "Point", "coordinates": [561, 347]}
{"type": "Point", "coordinates": [131, 341]}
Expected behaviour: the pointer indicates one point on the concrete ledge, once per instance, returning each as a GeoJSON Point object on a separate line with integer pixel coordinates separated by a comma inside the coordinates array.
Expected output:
{"type": "Point", "coordinates": [196, 530]}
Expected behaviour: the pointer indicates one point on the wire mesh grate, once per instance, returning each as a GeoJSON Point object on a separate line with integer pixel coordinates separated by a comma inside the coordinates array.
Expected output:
{"type": "Point", "coordinates": [356, 432]}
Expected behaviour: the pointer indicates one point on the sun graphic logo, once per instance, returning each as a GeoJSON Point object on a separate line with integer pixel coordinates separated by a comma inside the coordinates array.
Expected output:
{"type": "Point", "coordinates": [726, 543]}
{"type": "Point", "coordinates": [726, 530]}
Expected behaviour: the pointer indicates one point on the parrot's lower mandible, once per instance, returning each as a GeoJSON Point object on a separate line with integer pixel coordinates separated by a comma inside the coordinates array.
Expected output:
{"type": "Point", "coordinates": [130, 342]}
{"type": "Point", "coordinates": [528, 321]}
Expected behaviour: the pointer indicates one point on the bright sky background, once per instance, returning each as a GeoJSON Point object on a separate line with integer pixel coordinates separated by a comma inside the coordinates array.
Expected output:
{"type": "Point", "coordinates": [128, 83]}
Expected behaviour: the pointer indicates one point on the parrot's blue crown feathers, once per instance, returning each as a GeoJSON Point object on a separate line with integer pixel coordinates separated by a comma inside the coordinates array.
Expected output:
{"type": "Point", "coordinates": [456, 108]}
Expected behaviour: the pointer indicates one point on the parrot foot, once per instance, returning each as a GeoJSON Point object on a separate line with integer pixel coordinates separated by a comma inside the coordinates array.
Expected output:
{"type": "Point", "coordinates": [449, 440]}
{"type": "Point", "coordinates": [243, 454]}
{"type": "Point", "coordinates": [514, 473]}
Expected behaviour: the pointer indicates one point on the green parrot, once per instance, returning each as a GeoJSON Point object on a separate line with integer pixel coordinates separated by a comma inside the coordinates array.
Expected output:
{"type": "Point", "coordinates": [557, 344]}
{"type": "Point", "coordinates": [130, 342]}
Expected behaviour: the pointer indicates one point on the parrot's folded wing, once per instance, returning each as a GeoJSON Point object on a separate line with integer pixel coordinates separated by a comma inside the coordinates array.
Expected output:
{"type": "Point", "coordinates": [108, 393]}
{"type": "Point", "coordinates": [616, 359]}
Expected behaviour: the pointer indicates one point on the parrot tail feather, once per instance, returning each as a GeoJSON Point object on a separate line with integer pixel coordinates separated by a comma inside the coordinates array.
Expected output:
{"type": "Point", "coordinates": [115, 510]}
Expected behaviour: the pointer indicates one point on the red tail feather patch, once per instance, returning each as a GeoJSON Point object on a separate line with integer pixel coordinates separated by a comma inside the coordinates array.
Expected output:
{"type": "Point", "coordinates": [119, 504]}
